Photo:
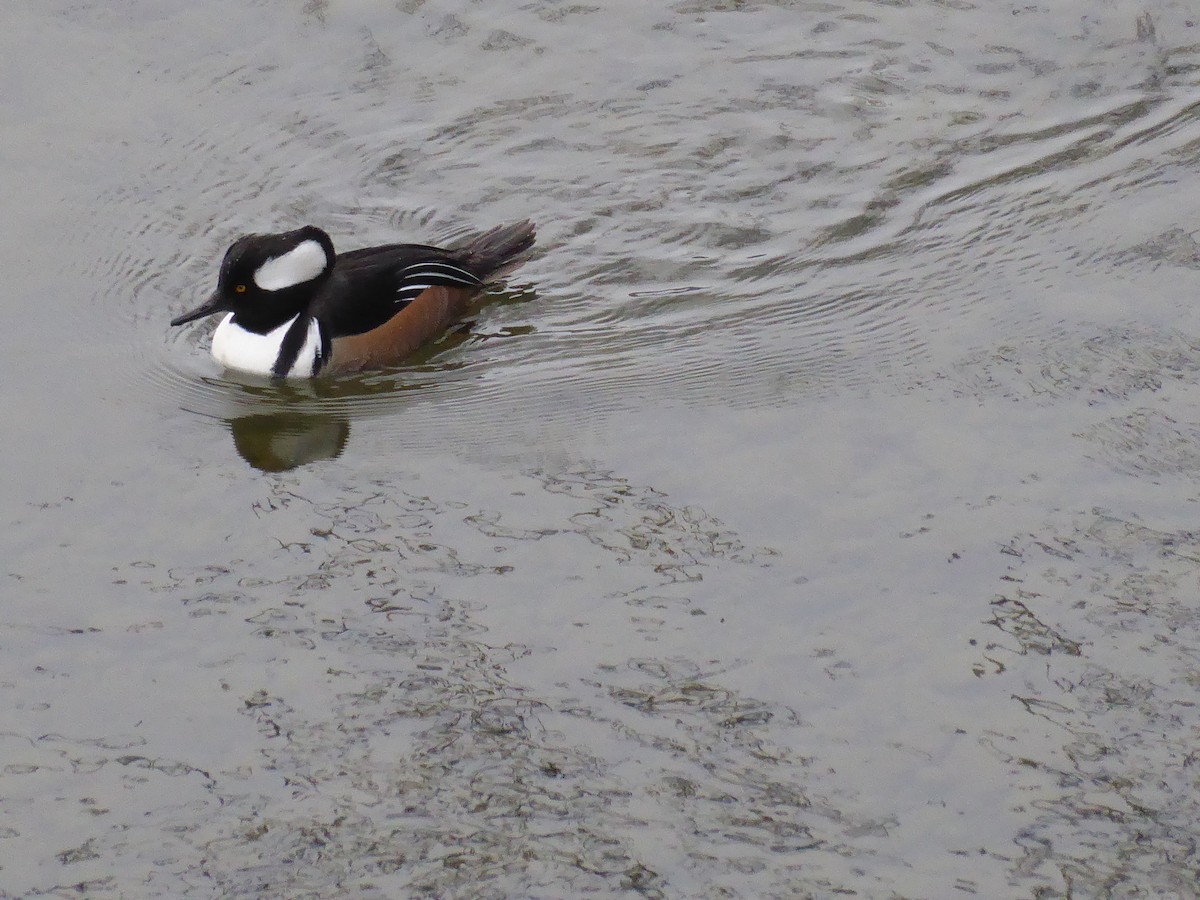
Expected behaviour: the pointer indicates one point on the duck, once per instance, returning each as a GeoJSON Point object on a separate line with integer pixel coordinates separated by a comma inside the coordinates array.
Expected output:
{"type": "Point", "coordinates": [295, 308]}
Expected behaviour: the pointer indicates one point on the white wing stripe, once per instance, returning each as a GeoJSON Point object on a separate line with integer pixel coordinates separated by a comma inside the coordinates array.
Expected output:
{"type": "Point", "coordinates": [439, 270]}
{"type": "Point", "coordinates": [441, 277]}
{"type": "Point", "coordinates": [434, 264]}
{"type": "Point", "coordinates": [413, 289]}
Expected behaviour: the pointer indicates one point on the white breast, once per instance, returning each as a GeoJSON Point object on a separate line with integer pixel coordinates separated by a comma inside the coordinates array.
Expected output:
{"type": "Point", "coordinates": [246, 351]}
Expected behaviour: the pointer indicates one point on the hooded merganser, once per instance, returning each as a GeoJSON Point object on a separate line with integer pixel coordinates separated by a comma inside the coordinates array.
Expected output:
{"type": "Point", "coordinates": [295, 308]}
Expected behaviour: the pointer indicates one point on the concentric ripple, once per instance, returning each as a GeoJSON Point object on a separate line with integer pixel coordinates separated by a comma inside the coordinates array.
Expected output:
{"type": "Point", "coordinates": [703, 237]}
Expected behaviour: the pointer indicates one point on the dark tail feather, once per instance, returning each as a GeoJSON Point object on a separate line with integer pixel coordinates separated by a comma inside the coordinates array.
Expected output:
{"type": "Point", "coordinates": [496, 253]}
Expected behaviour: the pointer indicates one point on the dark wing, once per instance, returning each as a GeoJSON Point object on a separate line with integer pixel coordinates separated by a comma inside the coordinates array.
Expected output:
{"type": "Point", "coordinates": [371, 285]}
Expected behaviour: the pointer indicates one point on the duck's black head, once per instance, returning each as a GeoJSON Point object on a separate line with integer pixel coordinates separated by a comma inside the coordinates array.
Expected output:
{"type": "Point", "coordinates": [267, 278]}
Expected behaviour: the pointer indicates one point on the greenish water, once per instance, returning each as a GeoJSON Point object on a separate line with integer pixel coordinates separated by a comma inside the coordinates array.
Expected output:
{"type": "Point", "coordinates": [813, 516]}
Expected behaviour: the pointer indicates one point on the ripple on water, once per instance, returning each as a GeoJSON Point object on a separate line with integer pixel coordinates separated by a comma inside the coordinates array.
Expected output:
{"type": "Point", "coordinates": [747, 236]}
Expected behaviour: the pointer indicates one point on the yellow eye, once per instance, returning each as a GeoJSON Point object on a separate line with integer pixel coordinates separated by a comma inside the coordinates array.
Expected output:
{"type": "Point", "coordinates": [241, 289]}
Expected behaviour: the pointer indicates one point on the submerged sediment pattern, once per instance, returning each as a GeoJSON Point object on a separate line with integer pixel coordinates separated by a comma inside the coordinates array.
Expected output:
{"type": "Point", "coordinates": [1099, 631]}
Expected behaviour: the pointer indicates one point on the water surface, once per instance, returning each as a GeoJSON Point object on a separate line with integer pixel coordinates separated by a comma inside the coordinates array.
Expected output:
{"type": "Point", "coordinates": [813, 515]}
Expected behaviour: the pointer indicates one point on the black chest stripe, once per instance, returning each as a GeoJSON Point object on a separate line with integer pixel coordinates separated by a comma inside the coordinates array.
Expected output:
{"type": "Point", "coordinates": [325, 351]}
{"type": "Point", "coordinates": [290, 346]}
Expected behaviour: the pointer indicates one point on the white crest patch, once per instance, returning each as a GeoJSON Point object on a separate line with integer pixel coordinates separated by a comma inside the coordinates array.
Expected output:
{"type": "Point", "coordinates": [302, 263]}
{"type": "Point", "coordinates": [236, 348]}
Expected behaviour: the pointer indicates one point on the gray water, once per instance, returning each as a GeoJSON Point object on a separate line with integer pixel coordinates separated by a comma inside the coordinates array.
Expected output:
{"type": "Point", "coordinates": [814, 515]}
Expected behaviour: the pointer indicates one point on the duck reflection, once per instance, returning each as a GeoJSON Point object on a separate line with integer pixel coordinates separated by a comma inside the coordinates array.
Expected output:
{"type": "Point", "coordinates": [276, 442]}
{"type": "Point", "coordinates": [278, 425]}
